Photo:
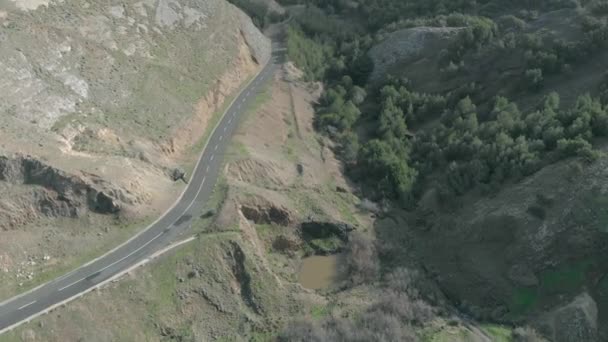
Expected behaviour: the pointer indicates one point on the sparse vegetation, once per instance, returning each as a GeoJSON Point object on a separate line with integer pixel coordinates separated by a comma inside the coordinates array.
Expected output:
{"type": "Point", "coordinates": [361, 260]}
{"type": "Point", "coordinates": [392, 318]}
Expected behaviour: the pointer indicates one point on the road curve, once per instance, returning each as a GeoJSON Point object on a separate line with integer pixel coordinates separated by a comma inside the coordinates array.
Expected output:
{"type": "Point", "coordinates": [173, 224]}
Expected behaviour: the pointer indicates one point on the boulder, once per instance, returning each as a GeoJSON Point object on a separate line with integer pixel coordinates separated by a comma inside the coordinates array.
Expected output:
{"type": "Point", "coordinates": [101, 203]}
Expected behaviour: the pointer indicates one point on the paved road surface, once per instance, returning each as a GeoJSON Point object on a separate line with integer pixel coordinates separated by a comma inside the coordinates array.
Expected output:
{"type": "Point", "coordinates": [173, 224]}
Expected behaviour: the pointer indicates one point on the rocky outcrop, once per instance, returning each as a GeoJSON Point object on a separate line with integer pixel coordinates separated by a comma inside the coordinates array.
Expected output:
{"type": "Point", "coordinates": [56, 193]}
{"type": "Point", "coordinates": [69, 189]}
{"type": "Point", "coordinates": [409, 45]}
{"type": "Point", "coordinates": [261, 210]}
{"type": "Point", "coordinates": [574, 322]}
{"type": "Point", "coordinates": [270, 214]}
{"type": "Point", "coordinates": [237, 257]}
{"type": "Point", "coordinates": [101, 203]}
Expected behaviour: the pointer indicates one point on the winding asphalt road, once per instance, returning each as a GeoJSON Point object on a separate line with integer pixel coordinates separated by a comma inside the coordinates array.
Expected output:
{"type": "Point", "coordinates": [174, 223]}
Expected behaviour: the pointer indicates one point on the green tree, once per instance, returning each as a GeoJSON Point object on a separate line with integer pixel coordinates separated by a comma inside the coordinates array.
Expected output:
{"type": "Point", "coordinates": [534, 79]}
{"type": "Point", "coordinates": [576, 147]}
{"type": "Point", "coordinates": [589, 118]}
{"type": "Point", "coordinates": [390, 173]}
{"type": "Point", "coordinates": [552, 101]}
{"type": "Point", "coordinates": [392, 121]}
{"type": "Point", "coordinates": [357, 95]}
{"type": "Point", "coordinates": [507, 116]}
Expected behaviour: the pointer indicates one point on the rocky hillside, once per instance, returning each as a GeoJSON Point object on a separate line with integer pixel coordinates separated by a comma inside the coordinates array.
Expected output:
{"type": "Point", "coordinates": [54, 192]}
{"type": "Point", "coordinates": [134, 82]}
{"type": "Point", "coordinates": [101, 102]}
{"type": "Point", "coordinates": [521, 254]}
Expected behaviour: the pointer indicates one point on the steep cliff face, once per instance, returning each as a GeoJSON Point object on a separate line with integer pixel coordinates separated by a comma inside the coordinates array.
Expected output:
{"type": "Point", "coordinates": [52, 192]}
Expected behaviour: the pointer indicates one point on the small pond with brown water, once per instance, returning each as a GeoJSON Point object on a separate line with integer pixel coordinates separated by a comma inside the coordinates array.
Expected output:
{"type": "Point", "coordinates": [319, 271]}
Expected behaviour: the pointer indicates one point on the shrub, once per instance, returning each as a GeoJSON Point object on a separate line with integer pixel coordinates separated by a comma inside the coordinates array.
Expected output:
{"type": "Point", "coordinates": [574, 147]}
{"type": "Point", "coordinates": [534, 79]}
{"type": "Point", "coordinates": [387, 320]}
{"type": "Point", "coordinates": [349, 147]}
{"type": "Point", "coordinates": [404, 280]}
{"type": "Point", "coordinates": [303, 330]}
{"type": "Point", "coordinates": [395, 304]}
{"type": "Point", "coordinates": [361, 259]}
{"type": "Point", "coordinates": [371, 326]}
{"type": "Point", "coordinates": [511, 22]}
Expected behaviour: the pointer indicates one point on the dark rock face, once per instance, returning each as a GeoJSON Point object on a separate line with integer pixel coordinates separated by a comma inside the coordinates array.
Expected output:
{"type": "Point", "coordinates": [55, 206]}
{"type": "Point", "coordinates": [102, 203]}
{"type": "Point", "coordinates": [324, 229]}
{"type": "Point", "coordinates": [237, 261]}
{"type": "Point", "coordinates": [267, 214]}
{"type": "Point", "coordinates": [63, 195]}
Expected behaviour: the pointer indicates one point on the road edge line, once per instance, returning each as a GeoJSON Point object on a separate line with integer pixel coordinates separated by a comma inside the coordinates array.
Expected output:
{"type": "Point", "coordinates": [200, 158]}
{"type": "Point", "coordinates": [98, 286]}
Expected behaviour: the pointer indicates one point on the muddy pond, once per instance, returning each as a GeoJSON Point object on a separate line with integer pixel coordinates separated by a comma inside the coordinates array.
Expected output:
{"type": "Point", "coordinates": [319, 271]}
